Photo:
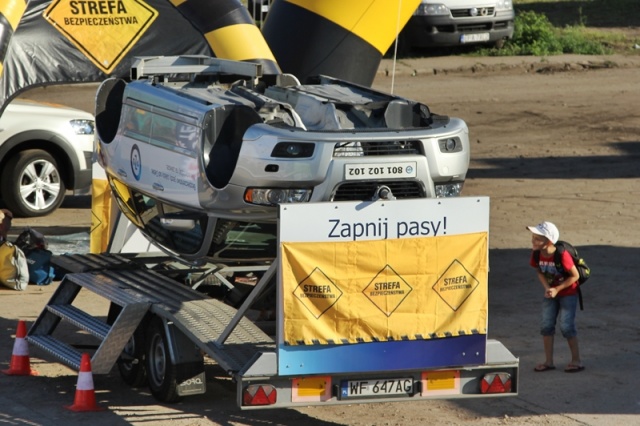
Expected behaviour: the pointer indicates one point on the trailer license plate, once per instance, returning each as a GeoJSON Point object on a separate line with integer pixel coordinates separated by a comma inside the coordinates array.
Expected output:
{"type": "Point", "coordinates": [380, 171]}
{"type": "Point", "coordinates": [474, 38]}
{"type": "Point", "coordinates": [376, 388]}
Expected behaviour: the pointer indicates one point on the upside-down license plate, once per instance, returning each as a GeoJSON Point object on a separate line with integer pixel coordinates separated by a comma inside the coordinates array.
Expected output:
{"type": "Point", "coordinates": [376, 388]}
{"type": "Point", "coordinates": [380, 171]}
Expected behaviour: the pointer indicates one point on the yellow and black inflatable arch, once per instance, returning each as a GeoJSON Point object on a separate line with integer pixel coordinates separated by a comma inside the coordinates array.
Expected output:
{"type": "Point", "coordinates": [342, 38]}
{"type": "Point", "coordinates": [11, 12]}
{"type": "Point", "coordinates": [229, 30]}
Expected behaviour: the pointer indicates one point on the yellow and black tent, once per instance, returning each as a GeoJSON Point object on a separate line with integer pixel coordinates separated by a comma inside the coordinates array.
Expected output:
{"type": "Point", "coordinates": [46, 42]}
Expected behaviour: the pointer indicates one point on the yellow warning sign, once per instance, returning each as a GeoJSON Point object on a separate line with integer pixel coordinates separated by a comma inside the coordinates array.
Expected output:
{"type": "Point", "coordinates": [397, 289]}
{"type": "Point", "coordinates": [387, 290]}
{"type": "Point", "coordinates": [104, 30]}
{"type": "Point", "coordinates": [455, 285]}
{"type": "Point", "coordinates": [317, 293]}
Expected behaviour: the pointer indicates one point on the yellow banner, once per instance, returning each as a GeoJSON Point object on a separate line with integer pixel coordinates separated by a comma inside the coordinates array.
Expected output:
{"type": "Point", "coordinates": [100, 216]}
{"type": "Point", "coordinates": [397, 289]}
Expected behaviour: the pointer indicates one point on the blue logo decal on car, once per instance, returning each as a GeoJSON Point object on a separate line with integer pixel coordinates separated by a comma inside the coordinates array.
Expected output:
{"type": "Point", "coordinates": [136, 162]}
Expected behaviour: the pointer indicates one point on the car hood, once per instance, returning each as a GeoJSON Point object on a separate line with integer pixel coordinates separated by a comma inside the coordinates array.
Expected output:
{"type": "Point", "coordinates": [27, 106]}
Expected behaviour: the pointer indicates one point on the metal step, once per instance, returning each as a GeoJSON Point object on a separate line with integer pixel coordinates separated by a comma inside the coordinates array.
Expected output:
{"type": "Point", "coordinates": [113, 338]}
{"type": "Point", "coordinates": [137, 291]}
{"type": "Point", "coordinates": [70, 263]}
{"type": "Point", "coordinates": [67, 354]}
{"type": "Point", "coordinates": [80, 319]}
{"type": "Point", "coordinates": [73, 263]}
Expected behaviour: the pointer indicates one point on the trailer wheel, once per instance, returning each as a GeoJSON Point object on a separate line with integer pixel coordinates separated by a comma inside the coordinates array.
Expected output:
{"type": "Point", "coordinates": [131, 361]}
{"type": "Point", "coordinates": [131, 364]}
{"type": "Point", "coordinates": [161, 372]}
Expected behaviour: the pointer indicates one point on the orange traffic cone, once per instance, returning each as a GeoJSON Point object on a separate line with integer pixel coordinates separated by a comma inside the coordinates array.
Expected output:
{"type": "Point", "coordinates": [85, 399]}
{"type": "Point", "coordinates": [20, 364]}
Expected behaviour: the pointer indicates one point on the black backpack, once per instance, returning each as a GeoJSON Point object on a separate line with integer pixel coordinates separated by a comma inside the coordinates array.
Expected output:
{"type": "Point", "coordinates": [583, 269]}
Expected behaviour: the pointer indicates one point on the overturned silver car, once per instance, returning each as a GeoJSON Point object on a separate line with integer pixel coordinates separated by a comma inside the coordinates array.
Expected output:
{"type": "Point", "coordinates": [200, 151]}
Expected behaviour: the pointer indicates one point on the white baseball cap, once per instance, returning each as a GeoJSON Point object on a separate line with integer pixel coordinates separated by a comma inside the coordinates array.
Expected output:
{"type": "Point", "coordinates": [547, 230]}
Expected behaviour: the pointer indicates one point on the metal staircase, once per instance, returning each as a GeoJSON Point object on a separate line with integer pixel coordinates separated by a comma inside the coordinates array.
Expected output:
{"type": "Point", "coordinates": [216, 328]}
{"type": "Point", "coordinates": [113, 337]}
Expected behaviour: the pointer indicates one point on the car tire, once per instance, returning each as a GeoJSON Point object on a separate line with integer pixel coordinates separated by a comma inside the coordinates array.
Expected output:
{"type": "Point", "coordinates": [32, 184]}
{"type": "Point", "coordinates": [162, 373]}
{"type": "Point", "coordinates": [131, 363]}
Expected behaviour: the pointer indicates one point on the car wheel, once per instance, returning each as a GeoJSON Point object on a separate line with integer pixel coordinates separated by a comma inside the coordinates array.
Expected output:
{"type": "Point", "coordinates": [31, 184]}
{"type": "Point", "coordinates": [131, 363]}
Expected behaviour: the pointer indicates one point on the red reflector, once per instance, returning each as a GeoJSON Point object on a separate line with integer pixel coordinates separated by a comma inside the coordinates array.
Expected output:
{"type": "Point", "coordinates": [259, 395]}
{"type": "Point", "coordinates": [496, 383]}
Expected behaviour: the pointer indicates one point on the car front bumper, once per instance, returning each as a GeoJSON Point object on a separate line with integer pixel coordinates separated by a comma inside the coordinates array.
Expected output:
{"type": "Point", "coordinates": [442, 31]}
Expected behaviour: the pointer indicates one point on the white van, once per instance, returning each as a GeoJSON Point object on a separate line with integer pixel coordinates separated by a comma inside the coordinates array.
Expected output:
{"type": "Point", "coordinates": [442, 23]}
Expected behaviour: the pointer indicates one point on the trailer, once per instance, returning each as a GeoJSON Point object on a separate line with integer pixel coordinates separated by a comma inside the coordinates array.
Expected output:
{"type": "Point", "coordinates": [307, 238]}
{"type": "Point", "coordinates": [160, 330]}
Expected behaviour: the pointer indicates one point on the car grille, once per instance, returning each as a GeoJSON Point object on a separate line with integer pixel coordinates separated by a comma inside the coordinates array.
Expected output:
{"type": "Point", "coordinates": [365, 191]}
{"type": "Point", "coordinates": [482, 12]}
{"type": "Point", "coordinates": [354, 149]}
{"type": "Point", "coordinates": [474, 27]}
{"type": "Point", "coordinates": [500, 25]}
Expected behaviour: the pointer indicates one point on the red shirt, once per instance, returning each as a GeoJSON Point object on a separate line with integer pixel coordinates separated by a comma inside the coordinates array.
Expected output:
{"type": "Point", "coordinates": [551, 273]}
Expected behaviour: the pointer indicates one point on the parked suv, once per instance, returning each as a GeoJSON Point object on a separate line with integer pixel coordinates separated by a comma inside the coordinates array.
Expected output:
{"type": "Point", "coordinates": [45, 150]}
{"type": "Point", "coordinates": [442, 23]}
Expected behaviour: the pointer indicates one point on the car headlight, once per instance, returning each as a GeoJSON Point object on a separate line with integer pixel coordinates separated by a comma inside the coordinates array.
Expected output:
{"type": "Point", "coordinates": [431, 9]}
{"type": "Point", "coordinates": [451, 189]}
{"type": "Point", "coordinates": [504, 5]}
{"type": "Point", "coordinates": [275, 196]}
{"type": "Point", "coordinates": [293, 150]}
{"type": "Point", "coordinates": [83, 127]}
{"type": "Point", "coordinates": [449, 145]}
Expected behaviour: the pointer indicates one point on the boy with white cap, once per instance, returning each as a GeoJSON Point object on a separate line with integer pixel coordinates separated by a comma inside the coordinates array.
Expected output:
{"type": "Point", "coordinates": [560, 294]}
